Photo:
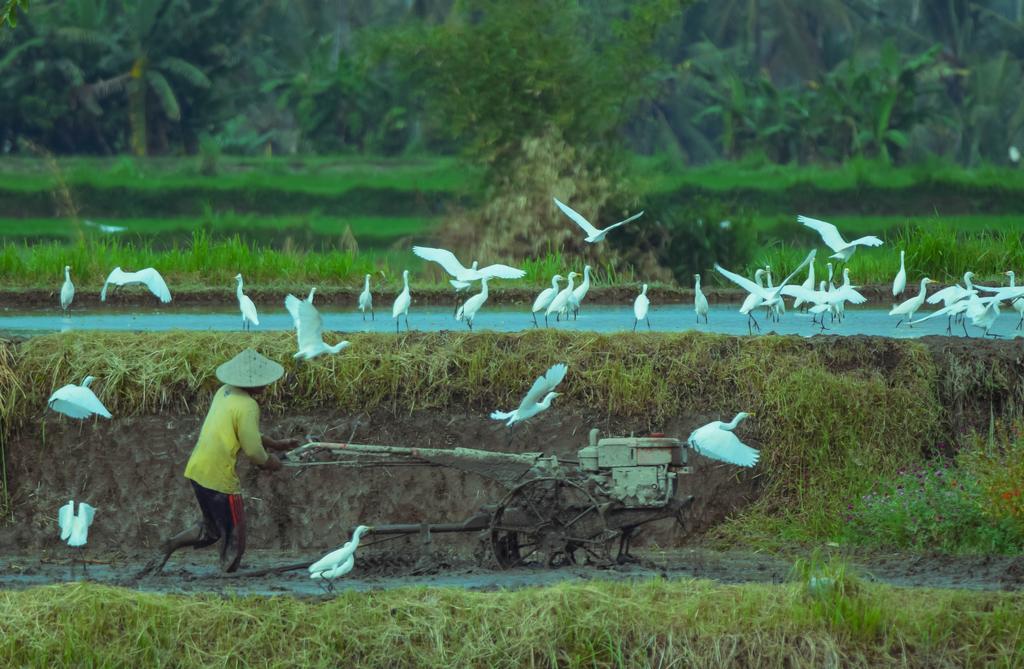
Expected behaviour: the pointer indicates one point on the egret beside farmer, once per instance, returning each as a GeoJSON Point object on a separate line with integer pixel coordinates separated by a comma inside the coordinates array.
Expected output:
{"type": "Point", "coordinates": [232, 426]}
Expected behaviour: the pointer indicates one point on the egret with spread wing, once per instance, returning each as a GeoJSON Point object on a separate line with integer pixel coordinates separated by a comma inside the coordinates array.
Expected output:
{"type": "Point", "coordinates": [447, 260]}
{"type": "Point", "coordinates": [310, 330]}
{"type": "Point", "coordinates": [149, 277]}
{"type": "Point", "coordinates": [538, 399]}
{"type": "Point", "coordinates": [77, 401]}
{"type": "Point", "coordinates": [593, 234]}
{"type": "Point", "coordinates": [717, 441]}
{"type": "Point", "coordinates": [830, 235]}
{"type": "Point", "coordinates": [761, 294]}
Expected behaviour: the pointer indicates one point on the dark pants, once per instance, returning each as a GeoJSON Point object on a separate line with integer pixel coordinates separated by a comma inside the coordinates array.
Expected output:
{"type": "Point", "coordinates": [223, 518]}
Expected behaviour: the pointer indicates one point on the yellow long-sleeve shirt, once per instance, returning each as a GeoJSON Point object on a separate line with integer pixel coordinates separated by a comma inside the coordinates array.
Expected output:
{"type": "Point", "coordinates": [232, 424]}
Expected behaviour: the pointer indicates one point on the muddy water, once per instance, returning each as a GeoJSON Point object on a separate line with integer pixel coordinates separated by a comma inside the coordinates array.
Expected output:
{"type": "Point", "coordinates": [723, 319]}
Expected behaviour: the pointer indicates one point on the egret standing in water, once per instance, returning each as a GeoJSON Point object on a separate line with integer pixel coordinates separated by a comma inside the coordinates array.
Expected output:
{"type": "Point", "coordinates": [77, 401]}
{"type": "Point", "coordinates": [366, 299]}
{"type": "Point", "coordinates": [641, 305]}
{"type": "Point", "coordinates": [538, 399]}
{"type": "Point", "coordinates": [248, 309]}
{"type": "Point", "coordinates": [717, 441]}
{"type": "Point", "coordinates": [700, 303]}
{"type": "Point", "coordinates": [899, 284]}
{"type": "Point", "coordinates": [580, 292]}
{"type": "Point", "coordinates": [543, 300]}
{"type": "Point", "coordinates": [470, 307]}
{"type": "Point", "coordinates": [67, 291]}
{"type": "Point", "coordinates": [561, 301]}
{"type": "Point", "coordinates": [402, 302]}
{"type": "Point", "coordinates": [908, 308]}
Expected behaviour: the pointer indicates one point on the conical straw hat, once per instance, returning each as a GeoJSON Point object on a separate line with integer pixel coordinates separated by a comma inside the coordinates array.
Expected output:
{"type": "Point", "coordinates": [249, 369]}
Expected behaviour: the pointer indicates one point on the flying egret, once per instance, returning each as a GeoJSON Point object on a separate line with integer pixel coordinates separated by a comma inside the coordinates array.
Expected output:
{"type": "Point", "coordinates": [558, 304]}
{"type": "Point", "coordinates": [593, 234]}
{"type": "Point", "coordinates": [580, 292]}
{"type": "Point", "coordinates": [248, 309]}
{"type": "Point", "coordinates": [447, 260]}
{"type": "Point", "coordinates": [700, 302]}
{"type": "Point", "coordinates": [543, 300]}
{"type": "Point", "coordinates": [537, 399]}
{"type": "Point", "coordinates": [908, 308]}
{"type": "Point", "coordinates": [470, 307]}
{"type": "Point", "coordinates": [830, 235]}
{"type": "Point", "coordinates": [149, 277]}
{"type": "Point", "coordinates": [65, 517]}
{"type": "Point", "coordinates": [402, 302]}
{"type": "Point", "coordinates": [295, 313]}
{"type": "Point", "coordinates": [74, 528]}
{"type": "Point", "coordinates": [641, 305]}
{"type": "Point", "coordinates": [67, 291]}
{"type": "Point", "coordinates": [759, 294]}
{"type": "Point", "coordinates": [103, 227]}
{"type": "Point", "coordinates": [717, 441]}
{"type": "Point", "coordinates": [77, 401]}
{"type": "Point", "coordinates": [310, 330]}
{"type": "Point", "coordinates": [366, 299]}
{"type": "Point", "coordinates": [899, 284]}
{"type": "Point", "coordinates": [337, 558]}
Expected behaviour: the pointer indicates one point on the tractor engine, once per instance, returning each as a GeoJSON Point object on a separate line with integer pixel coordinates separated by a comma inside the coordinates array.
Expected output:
{"type": "Point", "coordinates": [640, 472]}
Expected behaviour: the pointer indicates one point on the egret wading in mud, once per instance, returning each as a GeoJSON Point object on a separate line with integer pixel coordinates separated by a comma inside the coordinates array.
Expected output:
{"type": "Point", "coordinates": [77, 401]}
{"type": "Point", "coordinates": [641, 305]}
{"type": "Point", "coordinates": [470, 307]}
{"type": "Point", "coordinates": [74, 527]}
{"type": "Point", "coordinates": [339, 562]}
{"type": "Point", "coordinates": [560, 304]}
{"type": "Point", "coordinates": [593, 234]}
{"type": "Point", "coordinates": [899, 284]}
{"type": "Point", "coordinates": [908, 308]}
{"type": "Point", "coordinates": [67, 290]}
{"type": "Point", "coordinates": [149, 277]}
{"type": "Point", "coordinates": [580, 292]}
{"type": "Point", "coordinates": [700, 303]}
{"type": "Point", "coordinates": [543, 300]}
{"type": "Point", "coordinates": [538, 398]}
{"type": "Point", "coordinates": [366, 299]}
{"type": "Point", "coordinates": [402, 302]}
{"type": "Point", "coordinates": [843, 250]}
{"type": "Point", "coordinates": [309, 330]}
{"type": "Point", "coordinates": [246, 306]}
{"type": "Point", "coordinates": [717, 441]}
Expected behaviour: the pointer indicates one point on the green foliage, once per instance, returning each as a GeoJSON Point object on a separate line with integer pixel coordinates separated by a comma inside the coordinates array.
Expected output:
{"type": "Point", "coordinates": [931, 507]}
{"type": "Point", "coordinates": [833, 594]}
{"type": "Point", "coordinates": [9, 12]}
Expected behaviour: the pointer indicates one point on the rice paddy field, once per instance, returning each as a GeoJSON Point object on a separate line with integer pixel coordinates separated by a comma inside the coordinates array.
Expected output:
{"type": "Point", "coordinates": [874, 450]}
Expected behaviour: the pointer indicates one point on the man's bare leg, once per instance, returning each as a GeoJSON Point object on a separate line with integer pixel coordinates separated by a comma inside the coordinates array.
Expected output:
{"type": "Point", "coordinates": [193, 536]}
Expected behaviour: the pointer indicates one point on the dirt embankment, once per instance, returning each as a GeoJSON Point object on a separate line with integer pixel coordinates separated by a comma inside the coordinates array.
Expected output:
{"type": "Point", "coordinates": [131, 470]}
{"type": "Point", "coordinates": [347, 297]}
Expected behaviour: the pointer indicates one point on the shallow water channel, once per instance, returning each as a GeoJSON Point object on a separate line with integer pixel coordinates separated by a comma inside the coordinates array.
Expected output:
{"type": "Point", "coordinates": [723, 319]}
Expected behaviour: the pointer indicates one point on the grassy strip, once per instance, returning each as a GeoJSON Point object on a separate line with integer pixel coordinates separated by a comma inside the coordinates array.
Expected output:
{"type": "Point", "coordinates": [654, 623]}
{"type": "Point", "coordinates": [832, 416]}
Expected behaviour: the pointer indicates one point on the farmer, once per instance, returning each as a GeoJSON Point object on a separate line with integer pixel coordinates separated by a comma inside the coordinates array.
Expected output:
{"type": "Point", "coordinates": [232, 425]}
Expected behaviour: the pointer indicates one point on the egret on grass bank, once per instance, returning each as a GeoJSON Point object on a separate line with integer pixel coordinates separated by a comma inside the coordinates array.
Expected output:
{"type": "Point", "coordinates": [149, 277]}
{"type": "Point", "coordinates": [537, 399]}
{"type": "Point", "coordinates": [717, 441]}
{"type": "Point", "coordinates": [593, 234]}
{"type": "Point", "coordinates": [77, 401]}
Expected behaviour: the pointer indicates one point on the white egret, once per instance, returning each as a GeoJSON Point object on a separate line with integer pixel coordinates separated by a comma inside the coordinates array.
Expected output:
{"type": "Point", "coordinates": [825, 300]}
{"type": "Point", "coordinates": [775, 308]}
{"type": "Point", "coordinates": [543, 300]}
{"type": "Point", "coordinates": [830, 235]}
{"type": "Point", "coordinates": [470, 307]}
{"type": "Point", "coordinates": [983, 313]}
{"type": "Point", "coordinates": [807, 285]}
{"type": "Point", "coordinates": [447, 260]}
{"type": "Point", "coordinates": [753, 301]}
{"type": "Point", "coordinates": [339, 571]}
{"type": "Point", "coordinates": [1017, 304]}
{"type": "Point", "coordinates": [295, 313]}
{"type": "Point", "coordinates": [74, 528]}
{"type": "Point", "coordinates": [402, 302]}
{"type": "Point", "coordinates": [77, 401]}
{"type": "Point", "coordinates": [908, 308]}
{"type": "Point", "coordinates": [67, 291]}
{"type": "Point", "coordinates": [954, 293]}
{"type": "Point", "coordinates": [309, 330]}
{"type": "Point", "coordinates": [245, 304]}
{"type": "Point", "coordinates": [593, 234]}
{"type": "Point", "coordinates": [700, 302]}
{"type": "Point", "coordinates": [149, 277]}
{"type": "Point", "coordinates": [103, 227]}
{"type": "Point", "coordinates": [339, 557]}
{"type": "Point", "coordinates": [1014, 154]}
{"type": "Point", "coordinates": [580, 292]}
{"type": "Point", "coordinates": [845, 293]}
{"type": "Point", "coordinates": [65, 517]}
{"type": "Point", "coordinates": [560, 301]}
{"type": "Point", "coordinates": [537, 399]}
{"type": "Point", "coordinates": [899, 284]}
{"type": "Point", "coordinates": [717, 441]}
{"type": "Point", "coordinates": [366, 299]}
{"type": "Point", "coordinates": [759, 294]}
{"type": "Point", "coordinates": [641, 305]}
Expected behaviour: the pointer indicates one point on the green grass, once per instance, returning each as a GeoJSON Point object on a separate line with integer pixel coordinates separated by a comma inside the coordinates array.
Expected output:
{"type": "Point", "coordinates": [783, 226]}
{"type": "Point", "coordinates": [599, 624]}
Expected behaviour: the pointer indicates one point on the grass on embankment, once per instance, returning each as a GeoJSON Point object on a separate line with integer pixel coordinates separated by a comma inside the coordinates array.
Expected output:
{"type": "Point", "coordinates": [599, 624]}
{"type": "Point", "coordinates": [831, 415]}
